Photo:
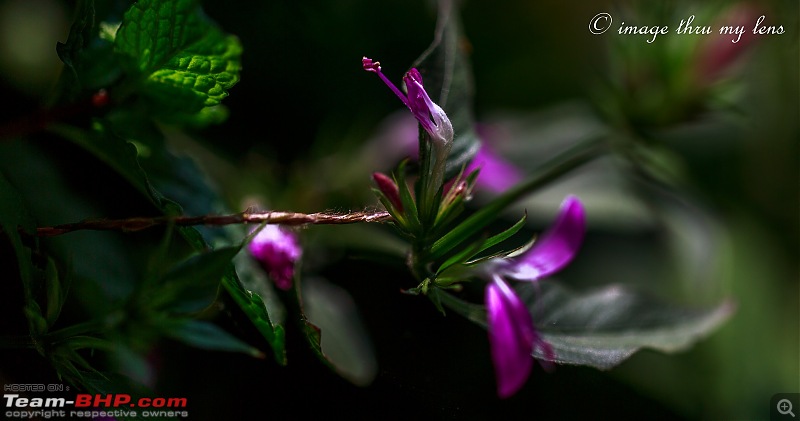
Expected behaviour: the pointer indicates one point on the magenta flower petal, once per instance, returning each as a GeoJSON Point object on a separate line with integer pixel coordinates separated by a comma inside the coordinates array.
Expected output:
{"type": "Point", "coordinates": [511, 337]}
{"type": "Point", "coordinates": [556, 248]}
{"type": "Point", "coordinates": [277, 250]}
{"type": "Point", "coordinates": [497, 175]}
{"type": "Point", "coordinates": [431, 116]}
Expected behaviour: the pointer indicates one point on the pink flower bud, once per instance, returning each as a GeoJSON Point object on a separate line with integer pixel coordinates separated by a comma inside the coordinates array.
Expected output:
{"type": "Point", "coordinates": [277, 250]}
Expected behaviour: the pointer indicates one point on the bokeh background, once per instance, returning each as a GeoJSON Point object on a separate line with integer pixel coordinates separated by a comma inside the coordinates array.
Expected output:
{"type": "Point", "coordinates": [304, 109]}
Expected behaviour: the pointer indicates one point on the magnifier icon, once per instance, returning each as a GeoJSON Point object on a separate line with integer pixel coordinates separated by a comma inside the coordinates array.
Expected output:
{"type": "Point", "coordinates": [785, 407]}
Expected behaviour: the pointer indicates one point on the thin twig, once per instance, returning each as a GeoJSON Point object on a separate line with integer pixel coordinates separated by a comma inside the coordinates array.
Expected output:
{"type": "Point", "coordinates": [281, 218]}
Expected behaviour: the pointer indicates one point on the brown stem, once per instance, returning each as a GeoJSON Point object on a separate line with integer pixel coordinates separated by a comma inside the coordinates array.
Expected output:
{"type": "Point", "coordinates": [281, 218]}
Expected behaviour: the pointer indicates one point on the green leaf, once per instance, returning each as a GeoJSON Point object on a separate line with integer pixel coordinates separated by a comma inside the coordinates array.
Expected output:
{"type": "Point", "coordinates": [252, 291]}
{"type": "Point", "coordinates": [13, 212]}
{"type": "Point", "coordinates": [14, 215]}
{"type": "Point", "coordinates": [603, 327]}
{"type": "Point", "coordinates": [335, 331]}
{"type": "Point", "coordinates": [56, 290]}
{"type": "Point", "coordinates": [87, 55]}
{"type": "Point", "coordinates": [121, 156]}
{"type": "Point", "coordinates": [448, 80]}
{"type": "Point", "coordinates": [193, 284]}
{"type": "Point", "coordinates": [208, 336]}
{"type": "Point", "coordinates": [409, 205]}
{"type": "Point", "coordinates": [471, 251]}
{"type": "Point", "coordinates": [80, 35]}
{"type": "Point", "coordinates": [182, 61]}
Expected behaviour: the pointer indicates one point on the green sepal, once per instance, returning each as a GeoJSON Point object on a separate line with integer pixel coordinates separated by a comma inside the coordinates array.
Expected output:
{"type": "Point", "coordinates": [410, 206]}
{"type": "Point", "coordinates": [434, 294]}
{"type": "Point", "coordinates": [560, 165]}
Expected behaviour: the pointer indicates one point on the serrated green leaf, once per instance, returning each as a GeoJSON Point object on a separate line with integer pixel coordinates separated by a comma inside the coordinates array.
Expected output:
{"type": "Point", "coordinates": [208, 68]}
{"type": "Point", "coordinates": [448, 80]}
{"type": "Point", "coordinates": [603, 327]}
{"type": "Point", "coordinates": [154, 31]}
{"type": "Point", "coordinates": [208, 336]}
{"type": "Point", "coordinates": [183, 61]}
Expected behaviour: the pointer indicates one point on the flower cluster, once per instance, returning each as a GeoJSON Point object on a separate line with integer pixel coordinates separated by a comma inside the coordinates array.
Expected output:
{"type": "Point", "coordinates": [512, 334]}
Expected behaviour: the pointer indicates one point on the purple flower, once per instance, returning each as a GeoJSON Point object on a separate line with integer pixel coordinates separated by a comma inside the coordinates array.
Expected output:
{"type": "Point", "coordinates": [277, 250]}
{"type": "Point", "coordinates": [431, 116]}
{"type": "Point", "coordinates": [512, 336]}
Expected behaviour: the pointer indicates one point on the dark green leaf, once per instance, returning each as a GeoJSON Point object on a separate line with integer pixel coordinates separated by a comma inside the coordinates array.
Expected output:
{"type": "Point", "coordinates": [335, 331]}
{"type": "Point", "coordinates": [603, 327]}
{"type": "Point", "coordinates": [14, 215]}
{"type": "Point", "coordinates": [80, 35]}
{"type": "Point", "coordinates": [253, 292]}
{"type": "Point", "coordinates": [193, 284]}
{"type": "Point", "coordinates": [56, 290]}
{"type": "Point", "coordinates": [209, 336]}
{"type": "Point", "coordinates": [471, 251]}
{"type": "Point", "coordinates": [448, 80]}
{"type": "Point", "coordinates": [121, 156]}
{"type": "Point", "coordinates": [13, 212]}
{"type": "Point", "coordinates": [87, 55]}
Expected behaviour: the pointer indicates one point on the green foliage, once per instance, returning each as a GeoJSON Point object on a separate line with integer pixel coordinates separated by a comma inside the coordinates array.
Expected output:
{"type": "Point", "coordinates": [183, 62]}
{"type": "Point", "coordinates": [169, 54]}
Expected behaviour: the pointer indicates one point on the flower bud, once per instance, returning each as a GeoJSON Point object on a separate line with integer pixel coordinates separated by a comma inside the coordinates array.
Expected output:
{"type": "Point", "coordinates": [277, 250]}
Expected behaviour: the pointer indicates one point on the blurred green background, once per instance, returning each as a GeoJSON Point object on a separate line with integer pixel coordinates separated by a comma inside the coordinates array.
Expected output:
{"type": "Point", "coordinates": [304, 105]}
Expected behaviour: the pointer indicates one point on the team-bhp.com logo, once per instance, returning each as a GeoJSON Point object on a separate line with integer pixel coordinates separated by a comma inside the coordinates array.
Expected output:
{"type": "Point", "coordinates": [94, 401]}
{"type": "Point", "coordinates": [89, 405]}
